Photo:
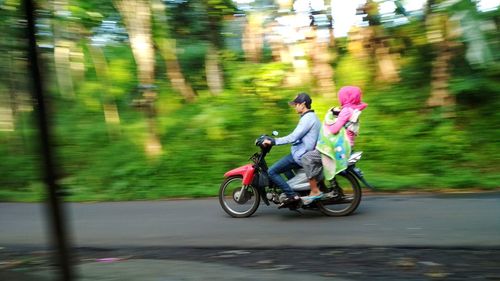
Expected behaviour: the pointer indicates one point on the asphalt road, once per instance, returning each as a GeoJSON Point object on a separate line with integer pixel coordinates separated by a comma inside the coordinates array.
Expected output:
{"type": "Point", "coordinates": [432, 220]}
{"type": "Point", "coordinates": [390, 237]}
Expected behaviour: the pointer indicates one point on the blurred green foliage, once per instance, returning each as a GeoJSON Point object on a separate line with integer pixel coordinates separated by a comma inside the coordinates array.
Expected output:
{"type": "Point", "coordinates": [406, 144]}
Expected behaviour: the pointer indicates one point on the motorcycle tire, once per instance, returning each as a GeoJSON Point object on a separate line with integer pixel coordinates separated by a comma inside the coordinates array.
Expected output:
{"type": "Point", "coordinates": [346, 202]}
{"type": "Point", "coordinates": [234, 203]}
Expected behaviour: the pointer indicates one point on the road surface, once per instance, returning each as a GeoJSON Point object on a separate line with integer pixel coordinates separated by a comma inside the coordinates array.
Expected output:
{"type": "Point", "coordinates": [442, 220]}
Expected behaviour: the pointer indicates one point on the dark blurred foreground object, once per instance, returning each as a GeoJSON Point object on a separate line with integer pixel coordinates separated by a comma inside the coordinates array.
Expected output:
{"type": "Point", "coordinates": [55, 207]}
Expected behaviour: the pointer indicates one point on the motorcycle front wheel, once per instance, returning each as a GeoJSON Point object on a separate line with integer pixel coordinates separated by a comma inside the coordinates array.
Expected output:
{"type": "Point", "coordinates": [237, 200]}
{"type": "Point", "coordinates": [342, 201]}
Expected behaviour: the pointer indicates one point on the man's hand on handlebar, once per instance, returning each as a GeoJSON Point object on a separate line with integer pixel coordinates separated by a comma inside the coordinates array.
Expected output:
{"type": "Point", "coordinates": [264, 141]}
{"type": "Point", "coordinates": [267, 142]}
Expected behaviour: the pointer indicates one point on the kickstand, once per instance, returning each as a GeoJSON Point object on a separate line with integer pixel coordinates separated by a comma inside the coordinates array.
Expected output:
{"type": "Point", "coordinates": [296, 210]}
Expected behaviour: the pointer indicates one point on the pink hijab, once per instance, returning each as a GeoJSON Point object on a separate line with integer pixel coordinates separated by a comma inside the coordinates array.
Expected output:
{"type": "Point", "coordinates": [350, 96]}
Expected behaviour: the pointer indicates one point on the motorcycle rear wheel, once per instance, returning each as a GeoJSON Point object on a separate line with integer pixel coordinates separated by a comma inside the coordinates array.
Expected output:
{"type": "Point", "coordinates": [345, 203]}
{"type": "Point", "coordinates": [236, 203]}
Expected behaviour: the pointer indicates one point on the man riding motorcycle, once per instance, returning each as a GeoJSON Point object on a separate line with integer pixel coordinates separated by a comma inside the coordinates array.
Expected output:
{"type": "Point", "coordinates": [303, 139]}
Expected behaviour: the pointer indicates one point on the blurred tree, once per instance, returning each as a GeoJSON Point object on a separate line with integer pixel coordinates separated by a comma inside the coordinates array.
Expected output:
{"type": "Point", "coordinates": [253, 36]}
{"type": "Point", "coordinates": [137, 18]}
{"type": "Point", "coordinates": [288, 34]}
{"type": "Point", "coordinates": [441, 34]}
{"type": "Point", "coordinates": [12, 92]}
{"type": "Point", "coordinates": [87, 16]}
{"type": "Point", "coordinates": [203, 20]}
{"type": "Point", "coordinates": [473, 32]}
{"type": "Point", "coordinates": [322, 52]}
{"type": "Point", "coordinates": [467, 49]}
{"type": "Point", "coordinates": [167, 47]}
{"type": "Point", "coordinates": [254, 30]}
{"type": "Point", "coordinates": [63, 45]}
{"type": "Point", "coordinates": [110, 109]}
{"type": "Point", "coordinates": [216, 10]}
{"type": "Point", "coordinates": [377, 43]}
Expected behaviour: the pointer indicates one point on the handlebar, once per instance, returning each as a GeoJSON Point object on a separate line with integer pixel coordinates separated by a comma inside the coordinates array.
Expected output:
{"type": "Point", "coordinates": [260, 142]}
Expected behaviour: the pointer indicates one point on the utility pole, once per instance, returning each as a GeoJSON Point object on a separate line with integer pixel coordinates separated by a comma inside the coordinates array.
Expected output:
{"type": "Point", "coordinates": [54, 204]}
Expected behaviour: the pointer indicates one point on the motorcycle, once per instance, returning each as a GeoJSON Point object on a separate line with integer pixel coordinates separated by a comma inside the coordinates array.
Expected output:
{"type": "Point", "coordinates": [243, 188]}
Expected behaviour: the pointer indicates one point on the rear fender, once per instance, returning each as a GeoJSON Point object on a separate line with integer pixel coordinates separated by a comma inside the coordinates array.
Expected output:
{"type": "Point", "coordinates": [247, 172]}
{"type": "Point", "coordinates": [358, 174]}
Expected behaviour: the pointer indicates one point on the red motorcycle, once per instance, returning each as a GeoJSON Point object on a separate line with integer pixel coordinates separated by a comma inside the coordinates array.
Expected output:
{"type": "Point", "coordinates": [243, 188]}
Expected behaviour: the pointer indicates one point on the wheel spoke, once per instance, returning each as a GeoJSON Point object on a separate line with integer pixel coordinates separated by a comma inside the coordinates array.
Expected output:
{"type": "Point", "coordinates": [345, 197]}
{"type": "Point", "coordinates": [238, 200]}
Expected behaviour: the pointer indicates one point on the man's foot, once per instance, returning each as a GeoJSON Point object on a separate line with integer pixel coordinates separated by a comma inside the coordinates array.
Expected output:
{"type": "Point", "coordinates": [288, 200]}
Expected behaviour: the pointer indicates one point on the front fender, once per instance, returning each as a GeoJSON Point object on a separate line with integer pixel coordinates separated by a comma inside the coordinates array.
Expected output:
{"type": "Point", "coordinates": [247, 172]}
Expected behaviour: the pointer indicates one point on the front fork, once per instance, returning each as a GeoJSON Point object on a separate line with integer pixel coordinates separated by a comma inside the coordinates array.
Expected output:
{"type": "Point", "coordinates": [239, 197]}
{"type": "Point", "coordinates": [263, 181]}
{"type": "Point", "coordinates": [241, 194]}
{"type": "Point", "coordinates": [263, 194]}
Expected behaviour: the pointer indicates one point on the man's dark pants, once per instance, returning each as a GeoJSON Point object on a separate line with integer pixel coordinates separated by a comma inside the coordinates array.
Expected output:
{"type": "Point", "coordinates": [284, 165]}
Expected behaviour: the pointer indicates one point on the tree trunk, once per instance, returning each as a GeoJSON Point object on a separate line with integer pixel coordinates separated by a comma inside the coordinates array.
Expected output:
{"type": "Point", "coordinates": [387, 67]}
{"type": "Point", "coordinates": [6, 114]}
{"type": "Point", "coordinates": [321, 69]}
{"type": "Point", "coordinates": [63, 68]}
{"type": "Point", "coordinates": [440, 95]}
{"type": "Point", "coordinates": [290, 51]}
{"type": "Point", "coordinates": [439, 34]}
{"type": "Point", "coordinates": [137, 18]}
{"type": "Point", "coordinates": [215, 81]}
{"type": "Point", "coordinates": [253, 37]}
{"type": "Point", "coordinates": [167, 47]}
{"type": "Point", "coordinates": [111, 115]}
{"type": "Point", "coordinates": [174, 72]}
{"type": "Point", "coordinates": [376, 45]}
{"type": "Point", "coordinates": [8, 101]}
{"type": "Point", "coordinates": [62, 50]}
{"type": "Point", "coordinates": [275, 41]}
